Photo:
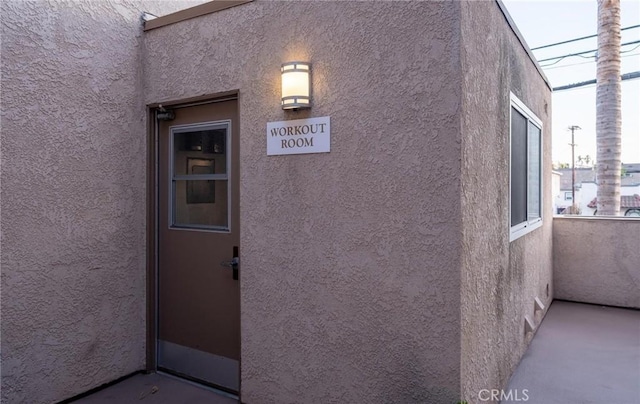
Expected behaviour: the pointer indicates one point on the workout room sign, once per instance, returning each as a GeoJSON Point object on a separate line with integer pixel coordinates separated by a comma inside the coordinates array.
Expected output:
{"type": "Point", "coordinates": [300, 136]}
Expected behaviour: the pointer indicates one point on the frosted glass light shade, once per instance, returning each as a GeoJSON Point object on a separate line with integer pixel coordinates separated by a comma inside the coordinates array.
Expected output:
{"type": "Point", "coordinates": [296, 85]}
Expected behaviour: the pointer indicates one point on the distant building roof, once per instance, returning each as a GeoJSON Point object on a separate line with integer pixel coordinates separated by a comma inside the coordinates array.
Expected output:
{"type": "Point", "coordinates": [632, 168]}
{"type": "Point", "coordinates": [626, 202]}
{"type": "Point", "coordinates": [589, 175]}
{"type": "Point", "coordinates": [582, 175]}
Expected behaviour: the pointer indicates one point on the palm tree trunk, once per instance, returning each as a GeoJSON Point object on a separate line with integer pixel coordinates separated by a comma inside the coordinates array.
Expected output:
{"type": "Point", "coordinates": [608, 108]}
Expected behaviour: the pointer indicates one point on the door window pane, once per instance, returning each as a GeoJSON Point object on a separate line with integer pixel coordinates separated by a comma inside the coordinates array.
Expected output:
{"type": "Point", "coordinates": [201, 203]}
{"type": "Point", "coordinates": [199, 144]}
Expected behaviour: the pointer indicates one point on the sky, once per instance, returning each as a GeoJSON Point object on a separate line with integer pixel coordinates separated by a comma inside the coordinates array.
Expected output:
{"type": "Point", "coordinates": [543, 22]}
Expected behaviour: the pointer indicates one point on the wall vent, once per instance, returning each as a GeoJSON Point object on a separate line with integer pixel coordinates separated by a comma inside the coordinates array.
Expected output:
{"type": "Point", "coordinates": [529, 326]}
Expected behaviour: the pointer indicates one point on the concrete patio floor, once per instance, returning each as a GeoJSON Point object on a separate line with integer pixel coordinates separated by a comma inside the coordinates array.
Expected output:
{"type": "Point", "coordinates": [156, 388]}
{"type": "Point", "coordinates": [582, 354]}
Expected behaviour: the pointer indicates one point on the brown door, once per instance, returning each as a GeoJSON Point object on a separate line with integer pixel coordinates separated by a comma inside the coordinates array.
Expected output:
{"type": "Point", "coordinates": [198, 240]}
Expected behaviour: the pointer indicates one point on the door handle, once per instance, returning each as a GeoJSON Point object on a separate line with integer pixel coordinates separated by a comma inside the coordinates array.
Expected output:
{"type": "Point", "coordinates": [233, 264]}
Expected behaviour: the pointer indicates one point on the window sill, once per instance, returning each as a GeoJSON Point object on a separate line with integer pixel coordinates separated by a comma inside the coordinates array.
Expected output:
{"type": "Point", "coordinates": [517, 231]}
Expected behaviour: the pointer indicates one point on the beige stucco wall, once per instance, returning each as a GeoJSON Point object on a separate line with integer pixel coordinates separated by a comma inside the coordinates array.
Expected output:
{"type": "Point", "coordinates": [597, 260]}
{"type": "Point", "coordinates": [499, 279]}
{"type": "Point", "coordinates": [73, 196]}
{"type": "Point", "coordinates": [350, 280]}
{"type": "Point", "coordinates": [351, 261]}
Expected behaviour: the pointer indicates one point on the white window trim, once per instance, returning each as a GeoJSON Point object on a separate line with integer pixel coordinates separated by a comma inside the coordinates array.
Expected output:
{"type": "Point", "coordinates": [177, 129]}
{"type": "Point", "coordinates": [528, 226]}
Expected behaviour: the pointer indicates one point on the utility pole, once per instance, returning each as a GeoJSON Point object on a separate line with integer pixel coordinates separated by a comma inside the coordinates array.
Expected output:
{"type": "Point", "coordinates": [573, 128]}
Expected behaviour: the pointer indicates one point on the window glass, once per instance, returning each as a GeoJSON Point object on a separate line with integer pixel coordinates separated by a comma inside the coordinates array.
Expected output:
{"type": "Point", "coordinates": [518, 167]}
{"type": "Point", "coordinates": [533, 191]}
{"type": "Point", "coordinates": [208, 144]}
{"type": "Point", "coordinates": [201, 203]}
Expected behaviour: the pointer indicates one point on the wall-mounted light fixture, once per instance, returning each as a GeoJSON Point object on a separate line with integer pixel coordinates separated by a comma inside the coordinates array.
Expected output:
{"type": "Point", "coordinates": [296, 85]}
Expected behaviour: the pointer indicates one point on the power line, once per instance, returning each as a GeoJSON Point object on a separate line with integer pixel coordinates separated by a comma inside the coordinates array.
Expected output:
{"type": "Point", "coordinates": [632, 49]}
{"type": "Point", "coordinates": [570, 65]}
{"type": "Point", "coordinates": [583, 63]}
{"type": "Point", "coordinates": [561, 58]}
{"type": "Point", "coordinates": [579, 39]}
{"type": "Point", "coordinates": [582, 53]}
{"type": "Point", "coordinates": [626, 76]}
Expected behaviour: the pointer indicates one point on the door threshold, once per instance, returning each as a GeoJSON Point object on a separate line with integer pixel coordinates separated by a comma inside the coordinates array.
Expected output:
{"type": "Point", "coordinates": [201, 385]}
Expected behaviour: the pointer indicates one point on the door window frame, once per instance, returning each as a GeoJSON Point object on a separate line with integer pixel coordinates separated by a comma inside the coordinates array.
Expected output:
{"type": "Point", "coordinates": [172, 177]}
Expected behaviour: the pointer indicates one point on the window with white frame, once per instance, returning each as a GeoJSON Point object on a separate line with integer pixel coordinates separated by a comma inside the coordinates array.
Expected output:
{"type": "Point", "coordinates": [526, 170]}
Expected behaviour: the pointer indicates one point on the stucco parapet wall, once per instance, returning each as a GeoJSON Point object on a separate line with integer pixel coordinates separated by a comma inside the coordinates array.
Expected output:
{"type": "Point", "coordinates": [595, 260]}
{"type": "Point", "coordinates": [597, 218]}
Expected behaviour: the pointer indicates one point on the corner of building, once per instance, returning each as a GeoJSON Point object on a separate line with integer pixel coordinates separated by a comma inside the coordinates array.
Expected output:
{"type": "Point", "coordinates": [500, 278]}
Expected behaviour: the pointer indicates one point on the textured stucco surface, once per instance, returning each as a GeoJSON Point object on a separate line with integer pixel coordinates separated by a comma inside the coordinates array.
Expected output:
{"type": "Point", "coordinates": [351, 261]}
{"type": "Point", "coordinates": [350, 268]}
{"type": "Point", "coordinates": [499, 279]}
{"type": "Point", "coordinates": [597, 260]}
{"type": "Point", "coordinates": [73, 196]}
